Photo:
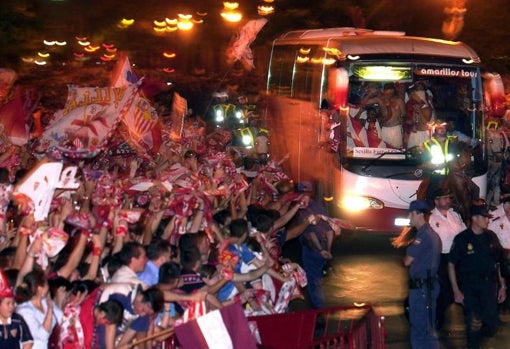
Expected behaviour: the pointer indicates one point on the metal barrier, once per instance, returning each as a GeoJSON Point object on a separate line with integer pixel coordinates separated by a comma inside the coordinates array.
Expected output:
{"type": "Point", "coordinates": [328, 328]}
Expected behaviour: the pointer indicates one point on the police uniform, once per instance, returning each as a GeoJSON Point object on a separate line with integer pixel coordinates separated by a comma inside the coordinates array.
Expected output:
{"type": "Point", "coordinates": [476, 258]}
{"type": "Point", "coordinates": [447, 227]}
{"type": "Point", "coordinates": [423, 287]}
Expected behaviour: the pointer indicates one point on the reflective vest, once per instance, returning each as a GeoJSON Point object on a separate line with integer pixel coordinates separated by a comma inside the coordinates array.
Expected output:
{"type": "Point", "coordinates": [439, 154]}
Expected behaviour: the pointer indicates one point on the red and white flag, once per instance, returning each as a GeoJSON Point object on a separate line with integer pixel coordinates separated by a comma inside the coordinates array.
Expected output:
{"type": "Point", "coordinates": [143, 126]}
{"type": "Point", "coordinates": [122, 74]}
{"type": "Point", "coordinates": [225, 328]}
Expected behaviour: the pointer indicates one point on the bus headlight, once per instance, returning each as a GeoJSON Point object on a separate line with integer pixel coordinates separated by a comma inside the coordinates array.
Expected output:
{"type": "Point", "coordinates": [239, 114]}
{"type": "Point", "coordinates": [402, 222]}
{"type": "Point", "coordinates": [358, 203]}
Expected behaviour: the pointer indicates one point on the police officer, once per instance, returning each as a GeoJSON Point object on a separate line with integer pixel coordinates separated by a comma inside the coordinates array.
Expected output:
{"type": "Point", "coordinates": [447, 224]}
{"type": "Point", "coordinates": [474, 273]}
{"type": "Point", "coordinates": [422, 258]}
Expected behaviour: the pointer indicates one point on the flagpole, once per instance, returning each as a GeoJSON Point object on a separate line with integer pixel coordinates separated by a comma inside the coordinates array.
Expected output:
{"type": "Point", "coordinates": [135, 342]}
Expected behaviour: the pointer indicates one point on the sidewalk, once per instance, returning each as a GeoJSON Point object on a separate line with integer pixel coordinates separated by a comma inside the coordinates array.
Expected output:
{"type": "Point", "coordinates": [452, 337]}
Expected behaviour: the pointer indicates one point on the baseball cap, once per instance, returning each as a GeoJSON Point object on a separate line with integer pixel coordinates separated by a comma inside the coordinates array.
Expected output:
{"type": "Point", "coordinates": [418, 205]}
{"type": "Point", "coordinates": [480, 210]}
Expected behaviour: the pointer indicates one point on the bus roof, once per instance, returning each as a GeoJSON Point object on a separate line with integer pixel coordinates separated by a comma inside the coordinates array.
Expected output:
{"type": "Point", "coordinates": [354, 41]}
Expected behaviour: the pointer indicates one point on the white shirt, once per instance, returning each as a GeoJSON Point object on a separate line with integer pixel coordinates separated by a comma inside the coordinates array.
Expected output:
{"type": "Point", "coordinates": [501, 226]}
{"type": "Point", "coordinates": [35, 318]}
{"type": "Point", "coordinates": [447, 227]}
{"type": "Point", "coordinates": [127, 275]}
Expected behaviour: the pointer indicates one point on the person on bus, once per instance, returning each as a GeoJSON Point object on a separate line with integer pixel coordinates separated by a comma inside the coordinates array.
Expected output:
{"type": "Point", "coordinates": [391, 125]}
{"type": "Point", "coordinates": [419, 112]}
{"type": "Point", "coordinates": [439, 152]}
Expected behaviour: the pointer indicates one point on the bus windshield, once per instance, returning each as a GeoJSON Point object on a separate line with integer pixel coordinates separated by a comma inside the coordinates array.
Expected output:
{"type": "Point", "coordinates": [390, 115]}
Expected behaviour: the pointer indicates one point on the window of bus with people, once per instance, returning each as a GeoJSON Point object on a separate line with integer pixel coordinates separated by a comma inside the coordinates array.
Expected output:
{"type": "Point", "coordinates": [388, 119]}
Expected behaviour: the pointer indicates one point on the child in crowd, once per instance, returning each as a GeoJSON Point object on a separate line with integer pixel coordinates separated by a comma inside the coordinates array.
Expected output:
{"type": "Point", "coordinates": [14, 331]}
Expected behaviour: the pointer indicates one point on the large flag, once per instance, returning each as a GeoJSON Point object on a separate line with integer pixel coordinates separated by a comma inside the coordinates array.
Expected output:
{"type": "Point", "coordinates": [88, 119]}
{"type": "Point", "coordinates": [239, 49]}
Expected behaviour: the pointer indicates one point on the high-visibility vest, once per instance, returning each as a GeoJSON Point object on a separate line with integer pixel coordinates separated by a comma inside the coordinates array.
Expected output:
{"type": "Point", "coordinates": [439, 154]}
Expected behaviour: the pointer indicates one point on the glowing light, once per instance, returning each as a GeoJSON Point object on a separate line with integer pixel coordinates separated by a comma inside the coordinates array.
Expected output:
{"type": "Point", "coordinates": [302, 59]}
{"type": "Point", "coordinates": [43, 54]}
{"type": "Point", "coordinates": [265, 10]}
{"type": "Point", "coordinates": [230, 5]}
{"type": "Point", "coordinates": [159, 23]}
{"type": "Point", "coordinates": [91, 48]}
{"type": "Point", "coordinates": [171, 21]}
{"type": "Point", "coordinates": [168, 70]}
{"type": "Point", "coordinates": [105, 59]}
{"type": "Point", "coordinates": [332, 51]}
{"type": "Point", "coordinates": [40, 62]}
{"type": "Point", "coordinates": [171, 29]}
{"type": "Point", "coordinates": [27, 59]}
{"type": "Point", "coordinates": [78, 55]}
{"type": "Point", "coordinates": [83, 42]}
{"type": "Point", "coordinates": [107, 46]}
{"type": "Point", "coordinates": [127, 22]}
{"type": "Point", "coordinates": [269, 1]}
{"type": "Point", "coordinates": [49, 43]}
{"type": "Point", "coordinates": [80, 38]}
{"type": "Point", "coordinates": [231, 16]}
{"type": "Point", "coordinates": [108, 56]}
{"type": "Point", "coordinates": [358, 203]}
{"type": "Point", "coordinates": [159, 30]}
{"type": "Point", "coordinates": [187, 25]}
{"type": "Point", "coordinates": [185, 22]}
{"type": "Point", "coordinates": [382, 73]}
{"type": "Point", "coordinates": [61, 43]}
{"type": "Point", "coordinates": [304, 51]}
{"type": "Point", "coordinates": [328, 61]}
{"type": "Point", "coordinates": [202, 14]}
{"type": "Point", "coordinates": [111, 50]}
{"type": "Point", "coordinates": [197, 21]}
{"type": "Point", "coordinates": [169, 54]}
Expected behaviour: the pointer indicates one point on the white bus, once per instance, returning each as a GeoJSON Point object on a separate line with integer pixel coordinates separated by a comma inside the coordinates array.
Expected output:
{"type": "Point", "coordinates": [317, 108]}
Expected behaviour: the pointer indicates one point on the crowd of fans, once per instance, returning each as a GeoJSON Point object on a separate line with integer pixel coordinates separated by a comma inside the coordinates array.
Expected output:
{"type": "Point", "coordinates": [133, 250]}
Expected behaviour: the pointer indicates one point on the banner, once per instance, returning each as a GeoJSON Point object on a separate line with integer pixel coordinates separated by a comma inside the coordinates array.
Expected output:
{"type": "Point", "coordinates": [88, 119]}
